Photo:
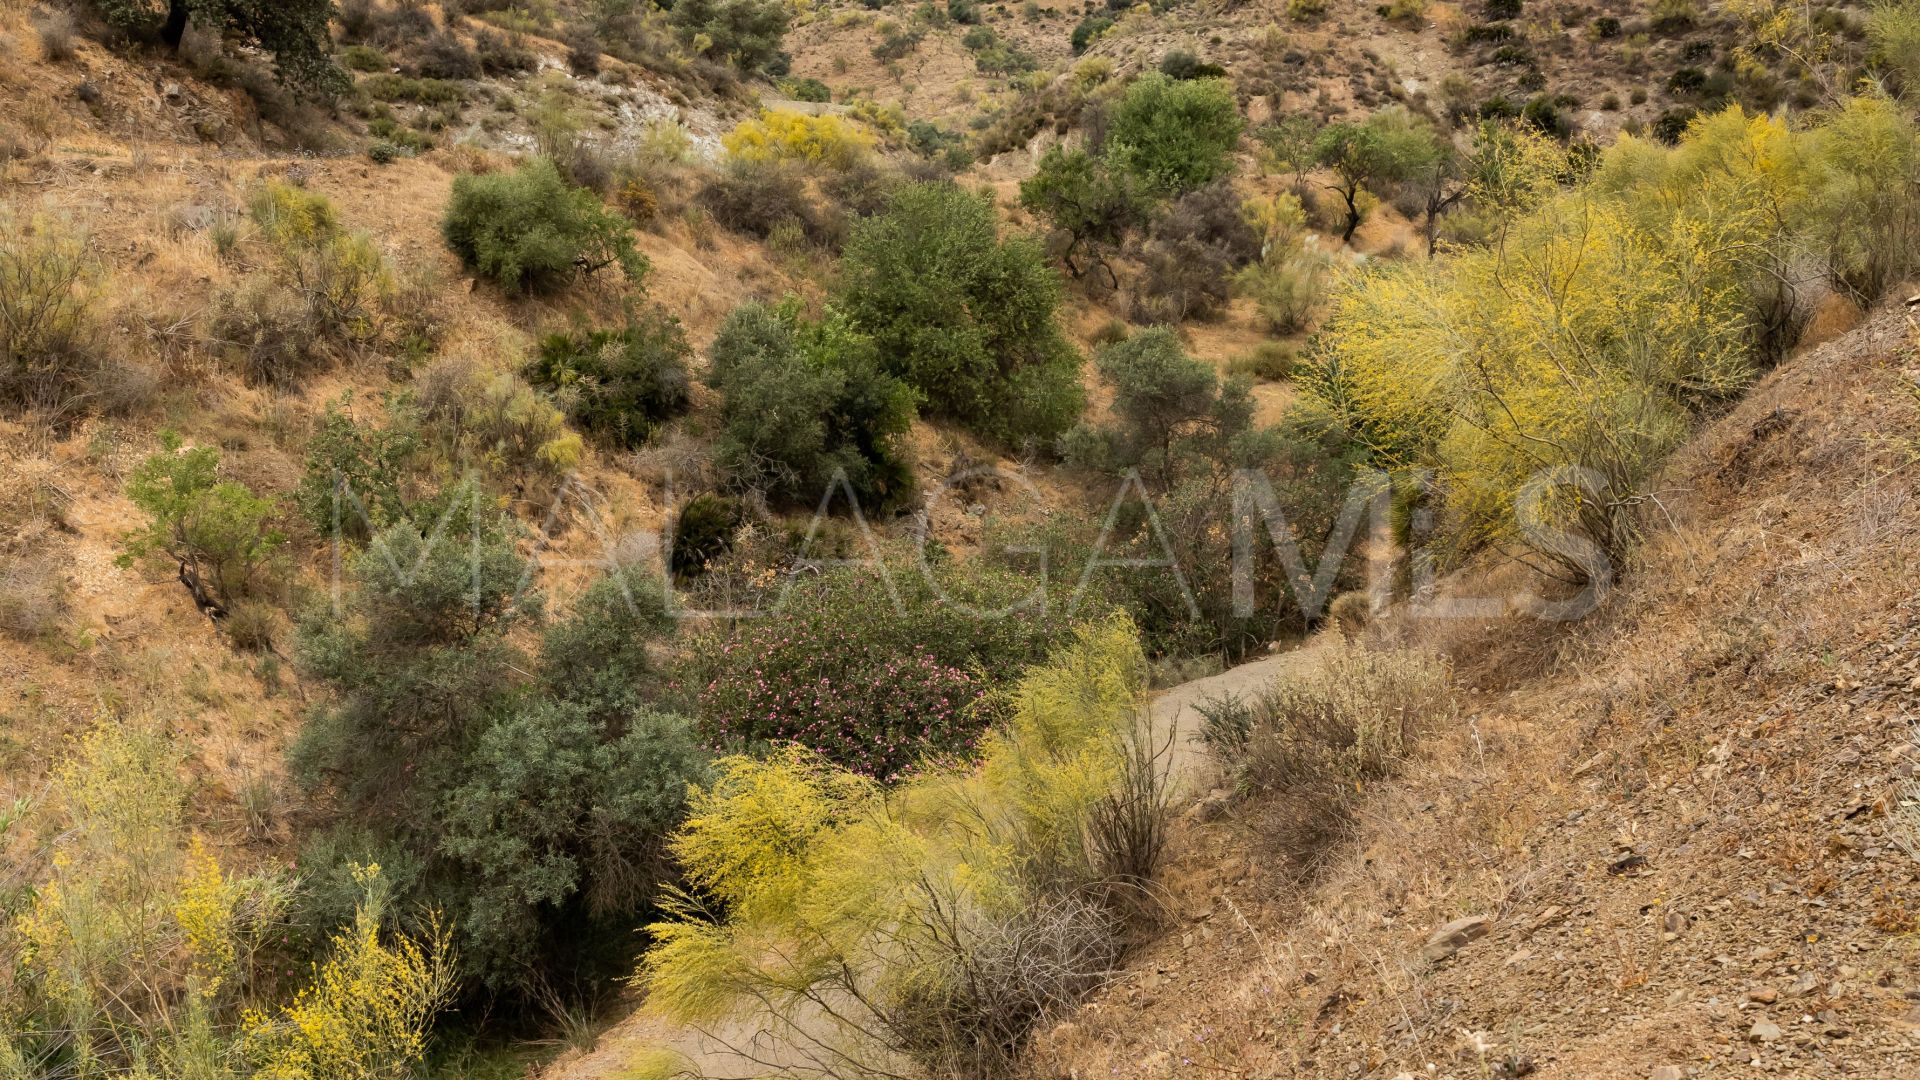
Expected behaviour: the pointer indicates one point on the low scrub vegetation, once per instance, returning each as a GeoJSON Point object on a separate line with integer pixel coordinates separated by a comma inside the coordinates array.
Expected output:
{"type": "Point", "coordinates": [529, 230]}
{"type": "Point", "coordinates": [618, 384]}
{"type": "Point", "coordinates": [1312, 743]}
{"type": "Point", "coordinates": [935, 923]}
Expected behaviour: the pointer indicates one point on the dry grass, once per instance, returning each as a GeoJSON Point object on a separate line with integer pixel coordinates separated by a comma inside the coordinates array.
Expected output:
{"type": "Point", "coordinates": [1659, 788]}
{"type": "Point", "coordinates": [33, 596]}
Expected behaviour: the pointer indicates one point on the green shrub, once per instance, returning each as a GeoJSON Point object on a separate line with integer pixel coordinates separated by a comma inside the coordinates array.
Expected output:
{"type": "Point", "coordinates": [1187, 434]}
{"type": "Point", "coordinates": [1270, 361]}
{"type": "Point", "coordinates": [364, 58]}
{"type": "Point", "coordinates": [747, 33]}
{"type": "Point", "coordinates": [528, 794]}
{"type": "Point", "coordinates": [356, 472]}
{"type": "Point", "coordinates": [960, 314]}
{"type": "Point", "coordinates": [1289, 288]}
{"type": "Point", "coordinates": [394, 87]}
{"type": "Point", "coordinates": [806, 89]}
{"type": "Point", "coordinates": [1173, 136]}
{"type": "Point", "coordinates": [1183, 64]}
{"type": "Point", "coordinates": [619, 384]}
{"type": "Point", "coordinates": [1087, 30]}
{"type": "Point", "coordinates": [496, 420]}
{"type": "Point", "coordinates": [528, 230]}
{"type": "Point", "coordinates": [802, 402]}
{"type": "Point", "coordinates": [871, 685]}
{"type": "Point", "coordinates": [703, 532]}
{"type": "Point", "coordinates": [218, 531]}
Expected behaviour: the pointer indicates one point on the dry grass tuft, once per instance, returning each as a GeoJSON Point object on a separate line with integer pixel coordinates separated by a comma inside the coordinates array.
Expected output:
{"type": "Point", "coordinates": [1312, 743]}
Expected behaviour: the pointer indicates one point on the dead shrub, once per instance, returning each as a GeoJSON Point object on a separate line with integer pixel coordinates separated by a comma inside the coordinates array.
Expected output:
{"type": "Point", "coordinates": [268, 335]}
{"type": "Point", "coordinates": [975, 1010]}
{"type": "Point", "coordinates": [56, 31]}
{"type": "Point", "coordinates": [33, 596]}
{"type": "Point", "coordinates": [755, 197]}
{"type": "Point", "coordinates": [1128, 828]}
{"type": "Point", "coordinates": [50, 348]}
{"type": "Point", "coordinates": [1311, 743]}
{"type": "Point", "coordinates": [252, 626]}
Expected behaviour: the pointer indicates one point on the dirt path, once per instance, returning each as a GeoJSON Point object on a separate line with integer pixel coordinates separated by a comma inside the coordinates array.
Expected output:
{"type": "Point", "coordinates": [737, 1050]}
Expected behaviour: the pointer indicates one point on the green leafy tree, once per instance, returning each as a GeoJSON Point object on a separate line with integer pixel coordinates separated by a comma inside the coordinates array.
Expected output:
{"type": "Point", "coordinates": [1174, 135]}
{"type": "Point", "coordinates": [802, 401]}
{"type": "Point", "coordinates": [1384, 148]}
{"type": "Point", "coordinates": [218, 531]}
{"type": "Point", "coordinates": [746, 32]}
{"type": "Point", "coordinates": [1090, 207]}
{"type": "Point", "coordinates": [294, 31]}
{"type": "Point", "coordinates": [1166, 404]}
{"type": "Point", "coordinates": [529, 230]}
{"type": "Point", "coordinates": [963, 316]}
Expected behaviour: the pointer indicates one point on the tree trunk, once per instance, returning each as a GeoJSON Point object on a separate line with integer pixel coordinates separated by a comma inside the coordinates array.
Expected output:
{"type": "Point", "coordinates": [1353, 215]}
{"type": "Point", "coordinates": [175, 27]}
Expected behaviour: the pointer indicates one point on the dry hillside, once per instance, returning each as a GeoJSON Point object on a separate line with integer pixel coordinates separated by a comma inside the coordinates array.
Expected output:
{"type": "Point", "coordinates": [1677, 836]}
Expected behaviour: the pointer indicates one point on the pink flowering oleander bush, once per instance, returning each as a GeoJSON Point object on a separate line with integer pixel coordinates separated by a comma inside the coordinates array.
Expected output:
{"type": "Point", "coordinates": [875, 687]}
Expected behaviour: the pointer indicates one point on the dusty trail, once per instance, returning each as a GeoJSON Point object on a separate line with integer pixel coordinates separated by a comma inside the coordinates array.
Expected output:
{"type": "Point", "coordinates": [738, 1050]}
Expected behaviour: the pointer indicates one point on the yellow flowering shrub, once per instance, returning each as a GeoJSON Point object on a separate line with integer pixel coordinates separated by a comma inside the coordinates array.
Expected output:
{"type": "Point", "coordinates": [786, 135]}
{"type": "Point", "coordinates": [1545, 376]}
{"type": "Point", "coordinates": [368, 1009]}
{"type": "Point", "coordinates": [127, 945]}
{"type": "Point", "coordinates": [809, 884]}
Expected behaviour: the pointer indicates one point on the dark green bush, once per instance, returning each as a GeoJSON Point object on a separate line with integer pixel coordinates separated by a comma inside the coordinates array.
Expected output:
{"type": "Point", "coordinates": [356, 472]}
{"type": "Point", "coordinates": [964, 12]}
{"type": "Point", "coordinates": [746, 32]}
{"type": "Point", "coordinates": [803, 402]}
{"type": "Point", "coordinates": [1672, 124]}
{"type": "Point", "coordinates": [702, 532]}
{"type": "Point", "coordinates": [1504, 9]}
{"type": "Point", "coordinates": [619, 384]}
{"type": "Point", "coordinates": [806, 89]}
{"type": "Point", "coordinates": [963, 316]}
{"type": "Point", "coordinates": [526, 796]}
{"type": "Point", "coordinates": [871, 684]}
{"type": "Point", "coordinates": [1183, 64]}
{"type": "Point", "coordinates": [1174, 136]}
{"type": "Point", "coordinates": [1088, 29]}
{"type": "Point", "coordinates": [529, 230]}
{"type": "Point", "coordinates": [295, 32]}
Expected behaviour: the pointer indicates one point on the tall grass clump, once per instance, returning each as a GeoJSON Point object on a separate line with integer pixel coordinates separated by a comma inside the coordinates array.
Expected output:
{"type": "Point", "coordinates": [1311, 743]}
